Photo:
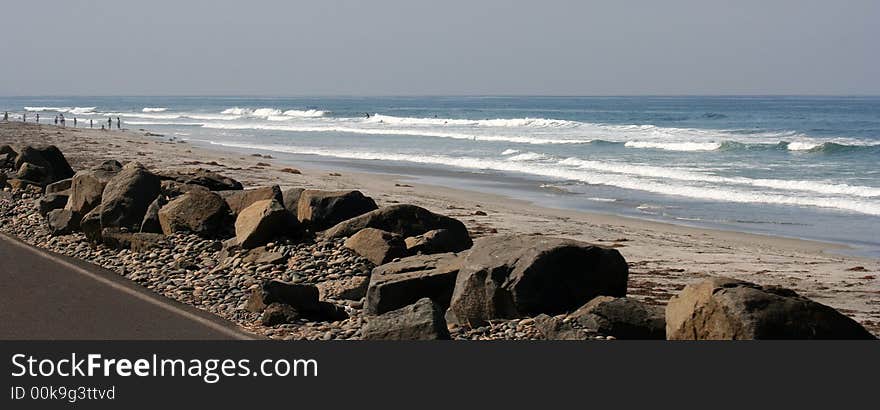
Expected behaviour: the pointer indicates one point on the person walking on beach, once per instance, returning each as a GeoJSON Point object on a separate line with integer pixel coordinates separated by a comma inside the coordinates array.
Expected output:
{"type": "Point", "coordinates": [56, 120]}
{"type": "Point", "coordinates": [24, 117]}
{"type": "Point", "coordinates": [74, 122]}
{"type": "Point", "coordinates": [38, 118]}
{"type": "Point", "coordinates": [118, 124]}
{"type": "Point", "coordinates": [109, 123]}
{"type": "Point", "coordinates": [5, 116]}
{"type": "Point", "coordinates": [62, 121]}
{"type": "Point", "coordinates": [91, 123]}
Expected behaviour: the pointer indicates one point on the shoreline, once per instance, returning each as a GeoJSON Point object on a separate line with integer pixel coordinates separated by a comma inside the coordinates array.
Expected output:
{"type": "Point", "coordinates": [663, 256]}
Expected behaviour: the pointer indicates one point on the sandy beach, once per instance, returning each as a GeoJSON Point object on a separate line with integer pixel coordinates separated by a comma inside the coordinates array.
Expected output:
{"type": "Point", "coordinates": [663, 258]}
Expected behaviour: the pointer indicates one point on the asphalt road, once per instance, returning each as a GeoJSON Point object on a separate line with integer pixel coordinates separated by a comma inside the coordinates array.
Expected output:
{"type": "Point", "coordinates": [49, 296]}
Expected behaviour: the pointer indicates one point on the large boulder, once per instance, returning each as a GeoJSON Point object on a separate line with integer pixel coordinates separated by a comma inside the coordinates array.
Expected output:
{"type": "Point", "coordinates": [323, 209]}
{"type": "Point", "coordinates": [290, 199]}
{"type": "Point", "coordinates": [730, 309]}
{"type": "Point", "coordinates": [376, 245]}
{"type": "Point", "coordinates": [32, 172]}
{"type": "Point", "coordinates": [422, 320]}
{"type": "Point", "coordinates": [434, 241]}
{"type": "Point", "coordinates": [623, 318]}
{"type": "Point", "coordinates": [50, 202]}
{"type": "Point", "coordinates": [238, 200]}
{"type": "Point", "coordinates": [200, 212]}
{"type": "Point", "coordinates": [174, 189]}
{"type": "Point", "coordinates": [302, 297]}
{"type": "Point", "coordinates": [61, 222]}
{"type": "Point", "coordinates": [261, 222]}
{"type": "Point", "coordinates": [48, 157]}
{"type": "Point", "coordinates": [58, 187]}
{"type": "Point", "coordinates": [397, 284]}
{"type": "Point", "coordinates": [404, 220]}
{"type": "Point", "coordinates": [203, 177]}
{"type": "Point", "coordinates": [90, 225]}
{"type": "Point", "coordinates": [87, 187]}
{"type": "Point", "coordinates": [126, 197]}
{"type": "Point", "coordinates": [513, 276]}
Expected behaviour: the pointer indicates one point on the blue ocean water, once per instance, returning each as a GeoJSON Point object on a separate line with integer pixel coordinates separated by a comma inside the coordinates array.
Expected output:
{"type": "Point", "coordinates": [803, 167]}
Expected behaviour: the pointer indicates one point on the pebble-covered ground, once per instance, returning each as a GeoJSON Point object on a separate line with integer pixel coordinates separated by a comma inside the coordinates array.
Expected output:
{"type": "Point", "coordinates": [201, 273]}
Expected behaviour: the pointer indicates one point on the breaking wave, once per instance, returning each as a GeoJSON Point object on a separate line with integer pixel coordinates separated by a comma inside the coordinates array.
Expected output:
{"type": "Point", "coordinates": [154, 109]}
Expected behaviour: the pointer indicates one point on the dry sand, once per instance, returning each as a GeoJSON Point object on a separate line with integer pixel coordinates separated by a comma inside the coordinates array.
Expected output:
{"type": "Point", "coordinates": [663, 257]}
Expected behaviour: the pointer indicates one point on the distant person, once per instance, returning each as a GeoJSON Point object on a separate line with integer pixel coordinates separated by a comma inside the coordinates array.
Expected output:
{"type": "Point", "coordinates": [102, 127]}
{"type": "Point", "coordinates": [38, 118]}
{"type": "Point", "coordinates": [74, 122]}
{"type": "Point", "coordinates": [24, 117]}
{"type": "Point", "coordinates": [109, 122]}
{"type": "Point", "coordinates": [62, 121]}
{"type": "Point", "coordinates": [91, 123]}
{"type": "Point", "coordinates": [118, 124]}
{"type": "Point", "coordinates": [56, 120]}
{"type": "Point", "coordinates": [367, 114]}
{"type": "Point", "coordinates": [6, 116]}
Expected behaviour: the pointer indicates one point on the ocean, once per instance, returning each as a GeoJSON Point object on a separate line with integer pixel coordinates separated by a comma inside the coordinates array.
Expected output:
{"type": "Point", "coordinates": [802, 167]}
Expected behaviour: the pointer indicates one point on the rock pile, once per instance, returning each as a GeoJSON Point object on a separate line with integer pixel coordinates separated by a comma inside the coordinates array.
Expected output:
{"type": "Point", "coordinates": [297, 263]}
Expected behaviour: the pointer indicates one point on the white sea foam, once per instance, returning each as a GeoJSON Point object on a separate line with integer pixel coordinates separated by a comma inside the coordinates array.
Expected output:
{"type": "Point", "coordinates": [304, 113]}
{"type": "Point", "coordinates": [498, 122]}
{"type": "Point", "coordinates": [675, 146]}
{"type": "Point", "coordinates": [65, 110]}
{"type": "Point", "coordinates": [803, 145]}
{"type": "Point", "coordinates": [724, 194]}
{"type": "Point", "coordinates": [510, 152]}
{"type": "Point", "coordinates": [273, 113]}
{"type": "Point", "coordinates": [527, 156]}
{"type": "Point", "coordinates": [154, 109]}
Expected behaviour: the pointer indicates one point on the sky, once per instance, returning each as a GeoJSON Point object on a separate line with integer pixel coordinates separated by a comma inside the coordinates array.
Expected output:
{"type": "Point", "coordinates": [448, 47]}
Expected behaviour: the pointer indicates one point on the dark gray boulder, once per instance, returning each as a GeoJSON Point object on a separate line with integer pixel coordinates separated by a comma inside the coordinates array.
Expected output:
{"type": "Point", "coordinates": [50, 202]}
{"type": "Point", "coordinates": [290, 199]}
{"type": "Point", "coordinates": [376, 245]}
{"type": "Point", "coordinates": [87, 187]}
{"type": "Point", "coordinates": [48, 157]}
{"type": "Point", "coordinates": [623, 318]}
{"type": "Point", "coordinates": [61, 222]}
{"type": "Point", "coordinates": [31, 172]}
{"type": "Point", "coordinates": [404, 220]}
{"type": "Point", "coordinates": [434, 241]}
{"type": "Point", "coordinates": [397, 284]}
{"type": "Point", "coordinates": [127, 196]}
{"type": "Point", "coordinates": [151, 223]}
{"type": "Point", "coordinates": [422, 320]}
{"type": "Point", "coordinates": [203, 177]}
{"type": "Point", "coordinates": [238, 200]}
{"type": "Point", "coordinates": [323, 209]}
{"type": "Point", "coordinates": [261, 222]}
{"type": "Point", "coordinates": [730, 309]}
{"type": "Point", "coordinates": [277, 314]}
{"type": "Point", "coordinates": [61, 186]}
{"type": "Point", "coordinates": [512, 276]}
{"type": "Point", "coordinates": [200, 212]}
{"type": "Point", "coordinates": [302, 297]}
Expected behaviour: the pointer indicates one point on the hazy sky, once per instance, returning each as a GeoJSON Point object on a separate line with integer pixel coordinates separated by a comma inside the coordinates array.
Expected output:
{"type": "Point", "coordinates": [406, 47]}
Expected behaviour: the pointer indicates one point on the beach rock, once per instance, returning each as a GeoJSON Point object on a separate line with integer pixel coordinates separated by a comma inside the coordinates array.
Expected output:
{"type": "Point", "coordinates": [623, 318]}
{"type": "Point", "coordinates": [48, 157]}
{"type": "Point", "coordinates": [730, 309]}
{"type": "Point", "coordinates": [557, 328]}
{"type": "Point", "coordinates": [422, 320]}
{"type": "Point", "coordinates": [241, 199]}
{"type": "Point", "coordinates": [90, 225]}
{"type": "Point", "coordinates": [18, 184]}
{"type": "Point", "coordinates": [301, 297]}
{"type": "Point", "coordinates": [290, 199]}
{"type": "Point", "coordinates": [151, 223]}
{"type": "Point", "coordinates": [262, 256]}
{"type": "Point", "coordinates": [200, 212]}
{"type": "Point", "coordinates": [87, 187]}
{"type": "Point", "coordinates": [277, 314]}
{"type": "Point", "coordinates": [174, 189]}
{"type": "Point", "coordinates": [261, 222]}
{"type": "Point", "coordinates": [144, 241]}
{"type": "Point", "coordinates": [61, 186]}
{"type": "Point", "coordinates": [323, 209]}
{"type": "Point", "coordinates": [203, 177]}
{"type": "Point", "coordinates": [376, 245]}
{"type": "Point", "coordinates": [434, 241]}
{"type": "Point", "coordinates": [406, 221]}
{"type": "Point", "coordinates": [116, 238]}
{"type": "Point", "coordinates": [50, 202]}
{"type": "Point", "coordinates": [347, 288]}
{"type": "Point", "coordinates": [3, 179]}
{"type": "Point", "coordinates": [32, 172]}
{"type": "Point", "coordinates": [6, 149]}
{"type": "Point", "coordinates": [397, 284]}
{"type": "Point", "coordinates": [127, 196]}
{"type": "Point", "coordinates": [512, 276]}
{"type": "Point", "coordinates": [61, 222]}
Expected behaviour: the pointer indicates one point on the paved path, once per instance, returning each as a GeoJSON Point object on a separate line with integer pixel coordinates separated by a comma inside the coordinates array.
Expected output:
{"type": "Point", "coordinates": [49, 296]}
